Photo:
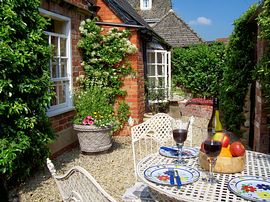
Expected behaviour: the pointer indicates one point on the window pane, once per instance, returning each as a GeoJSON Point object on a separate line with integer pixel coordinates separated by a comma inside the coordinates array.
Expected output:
{"type": "Point", "coordinates": [54, 98]}
{"type": "Point", "coordinates": [61, 92]}
{"type": "Point", "coordinates": [161, 82]}
{"type": "Point", "coordinates": [55, 68]}
{"type": "Point", "coordinates": [146, 3]}
{"type": "Point", "coordinates": [150, 57]}
{"type": "Point", "coordinates": [54, 43]}
{"type": "Point", "coordinates": [63, 67]}
{"type": "Point", "coordinates": [151, 70]}
{"type": "Point", "coordinates": [160, 57]}
{"type": "Point", "coordinates": [63, 47]}
{"type": "Point", "coordinates": [161, 70]}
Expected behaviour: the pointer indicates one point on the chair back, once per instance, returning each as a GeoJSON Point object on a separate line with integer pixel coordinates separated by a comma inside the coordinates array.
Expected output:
{"type": "Point", "coordinates": [148, 136]}
{"type": "Point", "coordinates": [79, 186]}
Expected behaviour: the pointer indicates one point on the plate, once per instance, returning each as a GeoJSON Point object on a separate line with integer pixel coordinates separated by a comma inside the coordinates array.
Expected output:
{"type": "Point", "coordinates": [160, 174]}
{"type": "Point", "coordinates": [188, 152]}
{"type": "Point", "coordinates": [251, 188]}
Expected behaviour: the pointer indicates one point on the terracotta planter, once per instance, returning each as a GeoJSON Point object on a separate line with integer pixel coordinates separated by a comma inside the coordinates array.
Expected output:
{"type": "Point", "coordinates": [94, 139]}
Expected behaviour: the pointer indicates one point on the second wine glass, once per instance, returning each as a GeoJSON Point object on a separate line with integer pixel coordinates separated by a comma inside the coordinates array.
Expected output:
{"type": "Point", "coordinates": [212, 147]}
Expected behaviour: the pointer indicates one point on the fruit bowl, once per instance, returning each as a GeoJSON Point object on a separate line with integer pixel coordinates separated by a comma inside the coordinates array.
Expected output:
{"type": "Point", "coordinates": [224, 164]}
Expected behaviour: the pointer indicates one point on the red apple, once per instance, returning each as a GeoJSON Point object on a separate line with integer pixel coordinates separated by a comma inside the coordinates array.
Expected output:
{"type": "Point", "coordinates": [237, 149]}
{"type": "Point", "coordinates": [225, 140]}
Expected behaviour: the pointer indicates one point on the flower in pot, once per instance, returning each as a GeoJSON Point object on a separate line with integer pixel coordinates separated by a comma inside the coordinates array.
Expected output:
{"type": "Point", "coordinates": [94, 119]}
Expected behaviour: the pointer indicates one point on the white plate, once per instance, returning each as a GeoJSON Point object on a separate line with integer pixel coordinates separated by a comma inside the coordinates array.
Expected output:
{"type": "Point", "coordinates": [160, 174]}
{"type": "Point", "coordinates": [251, 188]}
{"type": "Point", "coordinates": [188, 152]}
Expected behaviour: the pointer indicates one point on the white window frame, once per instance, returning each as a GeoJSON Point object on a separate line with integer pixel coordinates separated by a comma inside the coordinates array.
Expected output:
{"type": "Point", "coordinates": [147, 7]}
{"type": "Point", "coordinates": [166, 63]}
{"type": "Point", "coordinates": [68, 105]}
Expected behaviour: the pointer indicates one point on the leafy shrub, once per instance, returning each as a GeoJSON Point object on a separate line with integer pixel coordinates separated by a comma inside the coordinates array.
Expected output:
{"type": "Point", "coordinates": [199, 68]}
{"type": "Point", "coordinates": [24, 80]}
{"type": "Point", "coordinates": [238, 72]}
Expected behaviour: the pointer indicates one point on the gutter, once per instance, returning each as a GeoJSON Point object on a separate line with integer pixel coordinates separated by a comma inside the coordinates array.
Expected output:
{"type": "Point", "coordinates": [120, 25]}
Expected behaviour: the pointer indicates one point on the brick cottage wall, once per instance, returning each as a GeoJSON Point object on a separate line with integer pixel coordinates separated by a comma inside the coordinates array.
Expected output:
{"type": "Point", "coordinates": [134, 85]}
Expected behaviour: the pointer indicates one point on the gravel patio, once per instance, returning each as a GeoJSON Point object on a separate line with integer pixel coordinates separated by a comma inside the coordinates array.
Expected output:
{"type": "Point", "coordinates": [112, 169]}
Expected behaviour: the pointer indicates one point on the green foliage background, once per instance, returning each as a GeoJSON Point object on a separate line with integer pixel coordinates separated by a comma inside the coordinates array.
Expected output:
{"type": "Point", "coordinates": [199, 68]}
{"type": "Point", "coordinates": [24, 80]}
{"type": "Point", "coordinates": [239, 64]}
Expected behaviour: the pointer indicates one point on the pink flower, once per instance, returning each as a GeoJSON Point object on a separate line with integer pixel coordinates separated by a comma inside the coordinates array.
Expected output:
{"type": "Point", "coordinates": [85, 122]}
{"type": "Point", "coordinates": [89, 117]}
{"type": "Point", "coordinates": [91, 122]}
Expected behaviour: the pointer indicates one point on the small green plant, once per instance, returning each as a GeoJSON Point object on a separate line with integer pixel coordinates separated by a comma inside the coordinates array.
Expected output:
{"type": "Point", "coordinates": [94, 107]}
{"type": "Point", "coordinates": [105, 65]}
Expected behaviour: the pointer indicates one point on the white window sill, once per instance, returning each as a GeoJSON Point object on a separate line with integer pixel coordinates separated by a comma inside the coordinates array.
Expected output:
{"type": "Point", "coordinates": [59, 111]}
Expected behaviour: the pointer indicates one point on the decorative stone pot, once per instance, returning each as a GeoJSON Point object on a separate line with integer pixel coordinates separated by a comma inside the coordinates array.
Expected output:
{"type": "Point", "coordinates": [92, 138]}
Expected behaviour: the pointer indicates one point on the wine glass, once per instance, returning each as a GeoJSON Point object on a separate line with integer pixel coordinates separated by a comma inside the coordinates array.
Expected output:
{"type": "Point", "coordinates": [212, 147]}
{"type": "Point", "coordinates": [179, 136]}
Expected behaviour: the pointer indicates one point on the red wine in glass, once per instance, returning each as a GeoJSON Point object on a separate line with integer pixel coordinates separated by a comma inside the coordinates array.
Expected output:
{"type": "Point", "coordinates": [179, 135]}
{"type": "Point", "coordinates": [212, 148]}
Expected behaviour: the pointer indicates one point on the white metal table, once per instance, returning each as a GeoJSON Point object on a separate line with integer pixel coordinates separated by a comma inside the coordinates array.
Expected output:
{"type": "Point", "coordinates": [257, 164]}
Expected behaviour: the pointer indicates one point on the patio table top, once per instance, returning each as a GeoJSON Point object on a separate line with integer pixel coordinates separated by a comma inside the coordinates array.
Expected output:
{"type": "Point", "coordinates": [257, 164]}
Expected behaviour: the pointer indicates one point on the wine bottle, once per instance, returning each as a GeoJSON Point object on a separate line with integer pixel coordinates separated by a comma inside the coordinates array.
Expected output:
{"type": "Point", "coordinates": [215, 125]}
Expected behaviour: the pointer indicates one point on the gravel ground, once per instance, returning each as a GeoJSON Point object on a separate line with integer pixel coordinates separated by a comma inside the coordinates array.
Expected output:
{"type": "Point", "coordinates": [112, 169]}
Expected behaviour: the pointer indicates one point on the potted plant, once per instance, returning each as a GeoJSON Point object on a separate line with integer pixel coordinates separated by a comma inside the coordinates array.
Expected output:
{"type": "Point", "coordinates": [99, 91]}
{"type": "Point", "coordinates": [94, 119]}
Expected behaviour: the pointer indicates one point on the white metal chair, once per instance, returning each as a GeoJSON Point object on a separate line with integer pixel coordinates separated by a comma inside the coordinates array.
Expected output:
{"type": "Point", "coordinates": [78, 185]}
{"type": "Point", "coordinates": [148, 136]}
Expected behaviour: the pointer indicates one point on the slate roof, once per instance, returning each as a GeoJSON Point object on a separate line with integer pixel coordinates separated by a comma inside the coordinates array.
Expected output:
{"type": "Point", "coordinates": [167, 24]}
{"type": "Point", "coordinates": [175, 31]}
{"type": "Point", "coordinates": [129, 15]}
{"type": "Point", "coordinates": [158, 10]}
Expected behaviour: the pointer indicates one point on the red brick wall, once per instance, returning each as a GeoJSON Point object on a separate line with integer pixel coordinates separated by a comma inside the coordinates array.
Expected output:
{"type": "Point", "coordinates": [133, 85]}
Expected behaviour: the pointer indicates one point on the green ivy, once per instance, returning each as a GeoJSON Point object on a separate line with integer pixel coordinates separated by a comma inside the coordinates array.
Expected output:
{"type": "Point", "coordinates": [24, 79]}
{"type": "Point", "coordinates": [199, 68]}
{"type": "Point", "coordinates": [105, 63]}
{"type": "Point", "coordinates": [239, 65]}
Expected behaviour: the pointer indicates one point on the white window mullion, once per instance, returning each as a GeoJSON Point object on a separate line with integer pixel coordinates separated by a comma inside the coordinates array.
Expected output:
{"type": "Point", "coordinates": [165, 75]}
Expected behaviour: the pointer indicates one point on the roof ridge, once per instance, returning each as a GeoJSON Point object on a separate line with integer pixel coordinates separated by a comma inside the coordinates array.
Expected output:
{"type": "Point", "coordinates": [187, 26]}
